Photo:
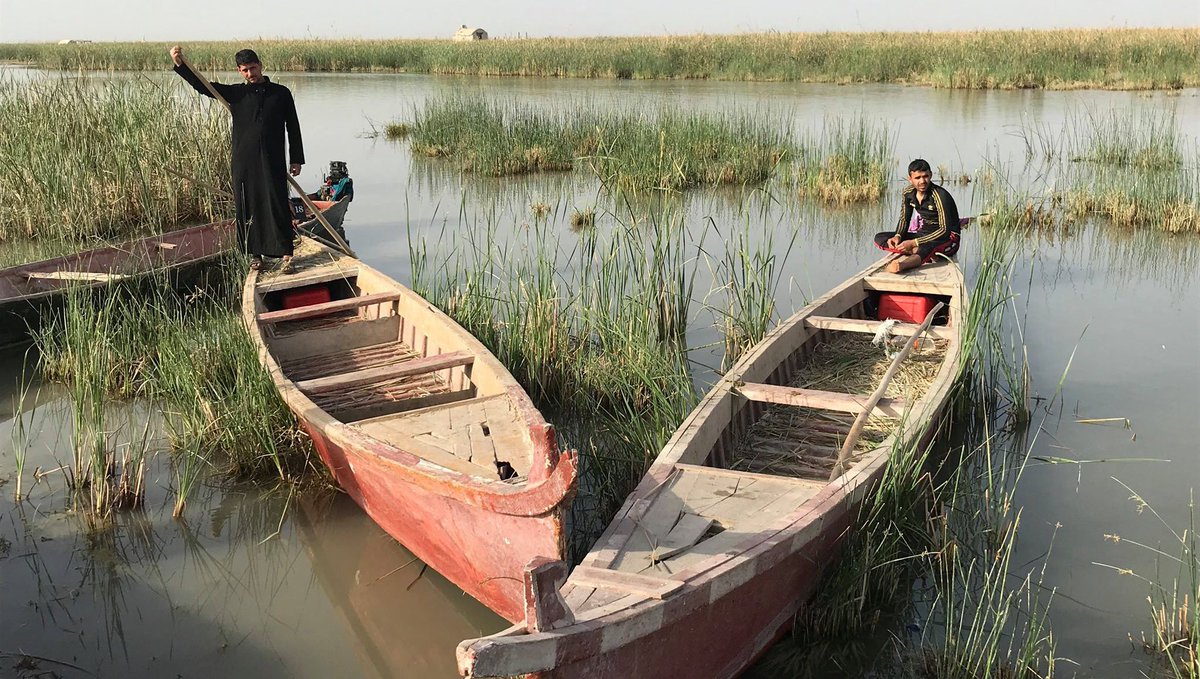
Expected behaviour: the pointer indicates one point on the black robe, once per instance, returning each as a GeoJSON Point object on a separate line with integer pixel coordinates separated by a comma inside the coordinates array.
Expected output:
{"type": "Point", "coordinates": [261, 112]}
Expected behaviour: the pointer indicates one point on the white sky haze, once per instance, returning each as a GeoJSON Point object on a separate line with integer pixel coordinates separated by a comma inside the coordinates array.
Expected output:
{"type": "Point", "coordinates": [158, 20]}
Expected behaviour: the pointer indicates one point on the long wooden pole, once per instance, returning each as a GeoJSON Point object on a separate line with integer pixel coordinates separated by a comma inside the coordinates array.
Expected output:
{"type": "Point", "coordinates": [860, 422]}
{"type": "Point", "coordinates": [342, 245]}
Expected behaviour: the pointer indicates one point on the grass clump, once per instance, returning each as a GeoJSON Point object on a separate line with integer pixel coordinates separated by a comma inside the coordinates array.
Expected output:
{"type": "Point", "coordinates": [847, 163]}
{"type": "Point", "coordinates": [189, 353]}
{"type": "Point", "coordinates": [1174, 597]}
{"type": "Point", "coordinates": [95, 161]}
{"type": "Point", "coordinates": [664, 151]}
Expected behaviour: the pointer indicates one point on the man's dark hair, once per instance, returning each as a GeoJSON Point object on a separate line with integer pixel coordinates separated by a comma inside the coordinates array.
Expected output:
{"type": "Point", "coordinates": [918, 165]}
{"type": "Point", "coordinates": [246, 56]}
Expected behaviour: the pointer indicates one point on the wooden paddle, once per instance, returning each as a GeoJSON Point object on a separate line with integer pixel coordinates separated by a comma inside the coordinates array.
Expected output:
{"type": "Point", "coordinates": [342, 245]}
{"type": "Point", "coordinates": [860, 422]}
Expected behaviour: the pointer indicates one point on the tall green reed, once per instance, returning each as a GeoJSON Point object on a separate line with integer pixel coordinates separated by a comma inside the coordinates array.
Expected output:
{"type": "Point", "coordinates": [593, 329]}
{"type": "Point", "coordinates": [849, 161]}
{"type": "Point", "coordinates": [187, 352]}
{"type": "Point", "coordinates": [90, 162]}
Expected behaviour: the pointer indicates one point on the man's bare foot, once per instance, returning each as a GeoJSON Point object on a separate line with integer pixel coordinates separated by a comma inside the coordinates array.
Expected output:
{"type": "Point", "coordinates": [285, 264]}
{"type": "Point", "coordinates": [894, 266]}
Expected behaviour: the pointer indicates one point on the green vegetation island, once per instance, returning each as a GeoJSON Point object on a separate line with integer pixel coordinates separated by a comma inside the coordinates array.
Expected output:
{"type": "Point", "coordinates": [1120, 59]}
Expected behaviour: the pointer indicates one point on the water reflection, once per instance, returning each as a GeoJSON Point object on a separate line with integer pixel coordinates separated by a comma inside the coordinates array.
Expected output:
{"type": "Point", "coordinates": [234, 588]}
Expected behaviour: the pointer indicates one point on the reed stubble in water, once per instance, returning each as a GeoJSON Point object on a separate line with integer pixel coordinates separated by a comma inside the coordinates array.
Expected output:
{"type": "Point", "coordinates": [188, 353]}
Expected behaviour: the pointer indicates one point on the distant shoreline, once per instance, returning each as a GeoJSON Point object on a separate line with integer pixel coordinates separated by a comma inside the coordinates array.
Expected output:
{"type": "Point", "coordinates": [1116, 59]}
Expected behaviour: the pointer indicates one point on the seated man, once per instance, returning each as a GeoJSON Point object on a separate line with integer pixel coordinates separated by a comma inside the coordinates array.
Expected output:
{"type": "Point", "coordinates": [929, 224]}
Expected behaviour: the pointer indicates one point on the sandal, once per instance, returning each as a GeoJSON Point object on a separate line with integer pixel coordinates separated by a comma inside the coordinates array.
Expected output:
{"type": "Point", "coordinates": [256, 264]}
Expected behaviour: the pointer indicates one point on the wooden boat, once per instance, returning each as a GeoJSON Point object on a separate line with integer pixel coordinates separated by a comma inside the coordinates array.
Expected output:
{"type": "Point", "coordinates": [728, 532]}
{"type": "Point", "coordinates": [28, 290]}
{"type": "Point", "coordinates": [416, 420]}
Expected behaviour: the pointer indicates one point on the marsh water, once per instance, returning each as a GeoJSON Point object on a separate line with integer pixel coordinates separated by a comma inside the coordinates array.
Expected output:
{"type": "Point", "coordinates": [258, 582]}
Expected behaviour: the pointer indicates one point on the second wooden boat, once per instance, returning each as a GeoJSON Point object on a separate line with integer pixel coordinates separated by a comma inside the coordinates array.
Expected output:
{"type": "Point", "coordinates": [416, 419]}
{"type": "Point", "coordinates": [729, 531]}
{"type": "Point", "coordinates": [27, 291]}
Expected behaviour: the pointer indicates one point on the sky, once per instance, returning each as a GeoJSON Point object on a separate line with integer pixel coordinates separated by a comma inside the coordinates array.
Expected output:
{"type": "Point", "coordinates": [158, 20]}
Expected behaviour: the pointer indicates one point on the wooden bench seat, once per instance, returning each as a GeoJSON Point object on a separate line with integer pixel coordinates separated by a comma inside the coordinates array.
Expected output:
{"type": "Point", "coordinates": [416, 366]}
{"type": "Point", "coordinates": [871, 326]}
{"type": "Point", "coordinates": [326, 308]}
{"type": "Point", "coordinates": [820, 400]}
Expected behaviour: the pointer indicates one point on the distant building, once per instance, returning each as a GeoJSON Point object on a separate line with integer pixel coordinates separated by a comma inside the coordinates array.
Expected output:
{"type": "Point", "coordinates": [72, 41]}
{"type": "Point", "coordinates": [464, 34]}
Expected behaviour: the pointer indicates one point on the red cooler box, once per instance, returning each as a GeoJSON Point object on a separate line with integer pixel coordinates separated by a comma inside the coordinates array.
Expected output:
{"type": "Point", "coordinates": [905, 308]}
{"type": "Point", "coordinates": [306, 296]}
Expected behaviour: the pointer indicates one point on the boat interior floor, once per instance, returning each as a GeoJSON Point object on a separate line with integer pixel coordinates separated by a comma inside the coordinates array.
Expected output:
{"type": "Point", "coordinates": [697, 513]}
{"type": "Point", "coordinates": [388, 390]}
{"type": "Point", "coordinates": [804, 442]}
{"type": "Point", "coordinates": [474, 436]}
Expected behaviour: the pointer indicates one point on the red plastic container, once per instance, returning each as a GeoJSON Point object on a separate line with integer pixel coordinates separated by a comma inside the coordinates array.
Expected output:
{"type": "Point", "coordinates": [306, 296]}
{"type": "Point", "coordinates": [905, 308]}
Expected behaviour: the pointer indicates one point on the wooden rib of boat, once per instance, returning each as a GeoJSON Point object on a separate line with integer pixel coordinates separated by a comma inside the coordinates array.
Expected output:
{"type": "Point", "coordinates": [417, 421]}
{"type": "Point", "coordinates": [728, 532]}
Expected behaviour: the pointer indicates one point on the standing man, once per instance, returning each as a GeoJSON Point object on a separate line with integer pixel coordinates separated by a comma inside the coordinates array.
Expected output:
{"type": "Point", "coordinates": [262, 111]}
{"type": "Point", "coordinates": [929, 223]}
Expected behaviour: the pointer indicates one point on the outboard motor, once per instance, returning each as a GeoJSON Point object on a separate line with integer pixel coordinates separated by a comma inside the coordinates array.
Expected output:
{"type": "Point", "coordinates": [338, 183]}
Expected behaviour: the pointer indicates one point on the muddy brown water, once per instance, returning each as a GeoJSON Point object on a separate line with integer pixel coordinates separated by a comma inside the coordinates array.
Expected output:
{"type": "Point", "coordinates": [254, 582]}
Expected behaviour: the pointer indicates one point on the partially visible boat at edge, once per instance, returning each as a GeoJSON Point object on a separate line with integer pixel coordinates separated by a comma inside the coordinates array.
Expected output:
{"type": "Point", "coordinates": [27, 291]}
{"type": "Point", "coordinates": [417, 421]}
{"type": "Point", "coordinates": [729, 531]}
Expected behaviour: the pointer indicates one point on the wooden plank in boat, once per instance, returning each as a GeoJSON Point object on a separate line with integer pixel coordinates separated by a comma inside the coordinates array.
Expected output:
{"type": "Point", "coordinates": [686, 533]}
{"type": "Point", "coordinates": [416, 366]}
{"type": "Point", "coordinates": [93, 276]}
{"type": "Point", "coordinates": [300, 279]}
{"type": "Point", "coordinates": [632, 583]}
{"type": "Point", "coordinates": [483, 449]}
{"type": "Point", "coordinates": [326, 308]}
{"type": "Point", "coordinates": [397, 434]}
{"type": "Point", "coordinates": [870, 326]}
{"type": "Point", "coordinates": [717, 471]}
{"type": "Point", "coordinates": [821, 400]}
{"type": "Point", "coordinates": [935, 279]}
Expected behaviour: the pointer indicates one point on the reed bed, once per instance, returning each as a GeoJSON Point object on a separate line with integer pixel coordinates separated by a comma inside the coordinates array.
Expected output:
{"type": "Point", "coordinates": [663, 150]}
{"type": "Point", "coordinates": [1055, 59]}
{"type": "Point", "coordinates": [1133, 168]}
{"type": "Point", "coordinates": [595, 332]}
{"type": "Point", "coordinates": [92, 162]}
